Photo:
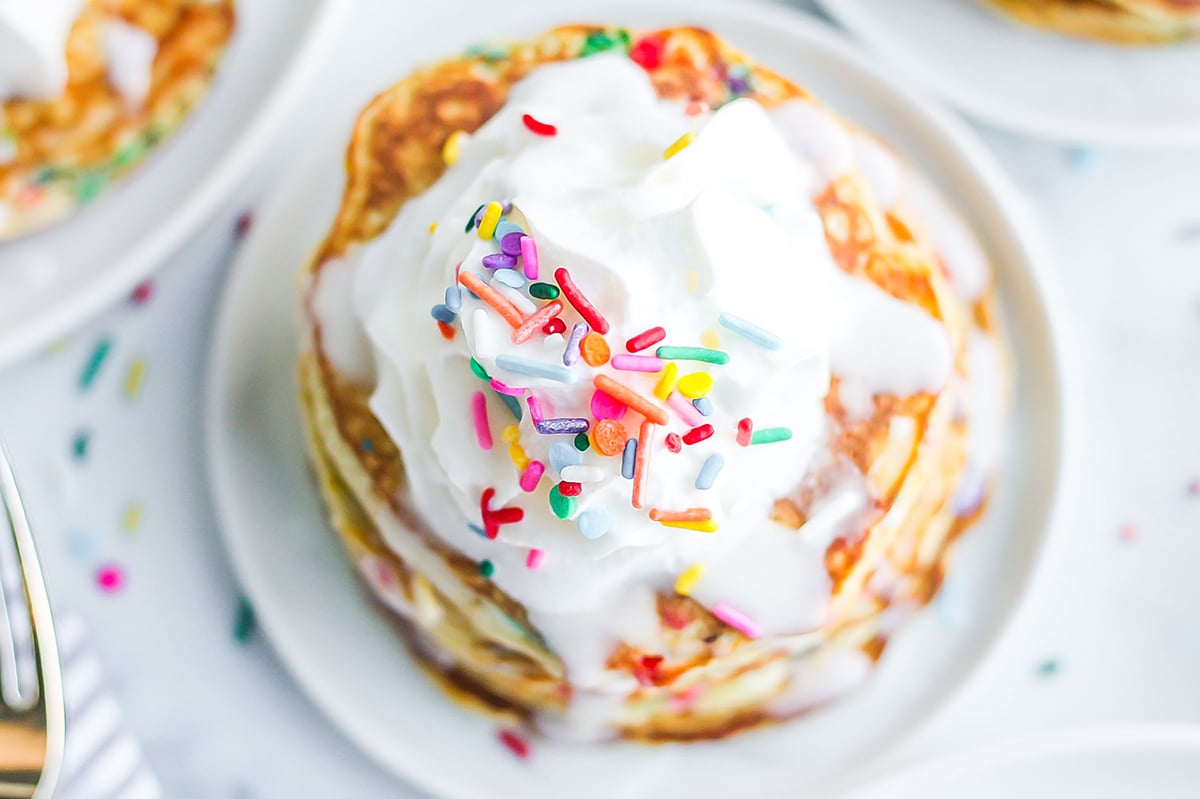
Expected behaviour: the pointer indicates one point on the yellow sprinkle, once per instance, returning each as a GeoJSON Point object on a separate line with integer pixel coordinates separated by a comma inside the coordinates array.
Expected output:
{"type": "Point", "coordinates": [131, 519]}
{"type": "Point", "coordinates": [666, 383]}
{"type": "Point", "coordinates": [693, 280]}
{"type": "Point", "coordinates": [710, 339]}
{"type": "Point", "coordinates": [686, 581]}
{"type": "Point", "coordinates": [134, 378]}
{"type": "Point", "coordinates": [709, 526]}
{"type": "Point", "coordinates": [510, 434]}
{"type": "Point", "coordinates": [491, 215]}
{"type": "Point", "coordinates": [432, 227]}
{"type": "Point", "coordinates": [453, 147]}
{"type": "Point", "coordinates": [695, 385]}
{"type": "Point", "coordinates": [680, 143]}
{"type": "Point", "coordinates": [519, 458]}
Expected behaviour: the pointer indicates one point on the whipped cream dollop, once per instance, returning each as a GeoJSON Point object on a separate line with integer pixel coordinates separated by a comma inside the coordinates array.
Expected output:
{"type": "Point", "coordinates": [33, 47]}
{"type": "Point", "coordinates": [725, 226]}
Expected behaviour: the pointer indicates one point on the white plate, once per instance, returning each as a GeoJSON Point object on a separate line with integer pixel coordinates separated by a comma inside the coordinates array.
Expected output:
{"type": "Point", "coordinates": [349, 659]}
{"type": "Point", "coordinates": [1162, 761]}
{"type": "Point", "coordinates": [55, 279]}
{"type": "Point", "coordinates": [1035, 82]}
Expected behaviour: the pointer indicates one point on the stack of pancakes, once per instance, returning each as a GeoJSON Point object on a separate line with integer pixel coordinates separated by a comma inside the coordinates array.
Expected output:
{"type": "Point", "coordinates": [710, 679]}
{"type": "Point", "coordinates": [67, 150]}
{"type": "Point", "coordinates": [1123, 21]}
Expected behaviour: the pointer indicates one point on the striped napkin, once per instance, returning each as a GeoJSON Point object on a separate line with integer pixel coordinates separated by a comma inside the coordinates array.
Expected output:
{"type": "Point", "coordinates": [102, 760]}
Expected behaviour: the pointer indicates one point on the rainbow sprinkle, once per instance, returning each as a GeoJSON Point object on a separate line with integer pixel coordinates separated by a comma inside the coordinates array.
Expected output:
{"type": "Point", "coordinates": [487, 222]}
{"type": "Point", "coordinates": [534, 559]}
{"type": "Point", "coordinates": [479, 414]}
{"type": "Point", "coordinates": [638, 363]}
{"type": "Point", "coordinates": [529, 257]}
{"type": "Point", "coordinates": [702, 354]}
{"type": "Point", "coordinates": [94, 362]}
{"type": "Point", "coordinates": [709, 471]}
{"type": "Point", "coordinates": [572, 352]}
{"type": "Point", "coordinates": [531, 368]}
{"type": "Point", "coordinates": [688, 579]}
{"type": "Point", "coordinates": [590, 313]}
{"type": "Point", "coordinates": [737, 620]}
{"type": "Point", "coordinates": [678, 145]}
{"type": "Point", "coordinates": [750, 331]}
{"type": "Point", "coordinates": [770, 435]}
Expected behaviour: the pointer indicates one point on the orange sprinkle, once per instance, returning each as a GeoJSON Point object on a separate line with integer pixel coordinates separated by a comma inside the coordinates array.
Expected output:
{"type": "Point", "coordinates": [634, 400]}
{"type": "Point", "coordinates": [533, 323]}
{"type": "Point", "coordinates": [447, 331]}
{"type": "Point", "coordinates": [641, 466]}
{"type": "Point", "coordinates": [499, 303]}
{"type": "Point", "coordinates": [608, 437]}
{"type": "Point", "coordinates": [595, 349]}
{"type": "Point", "coordinates": [689, 515]}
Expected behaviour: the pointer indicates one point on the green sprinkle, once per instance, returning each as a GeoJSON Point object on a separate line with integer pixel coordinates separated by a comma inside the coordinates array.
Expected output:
{"type": "Point", "coordinates": [79, 444]}
{"type": "Point", "coordinates": [581, 442]}
{"type": "Point", "coordinates": [702, 354]}
{"type": "Point", "coordinates": [543, 291]}
{"type": "Point", "coordinates": [487, 568]}
{"type": "Point", "coordinates": [563, 507]}
{"type": "Point", "coordinates": [471, 219]}
{"type": "Point", "coordinates": [127, 154]}
{"type": "Point", "coordinates": [770, 435]}
{"type": "Point", "coordinates": [513, 405]}
{"type": "Point", "coordinates": [92, 367]}
{"type": "Point", "coordinates": [479, 371]}
{"type": "Point", "coordinates": [243, 621]}
{"type": "Point", "coordinates": [1049, 668]}
{"type": "Point", "coordinates": [602, 41]}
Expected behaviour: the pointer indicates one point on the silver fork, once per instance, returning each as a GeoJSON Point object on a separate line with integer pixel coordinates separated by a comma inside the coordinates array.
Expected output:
{"type": "Point", "coordinates": [32, 721]}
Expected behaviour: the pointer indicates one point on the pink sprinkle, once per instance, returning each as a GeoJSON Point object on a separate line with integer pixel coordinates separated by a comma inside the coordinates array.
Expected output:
{"type": "Point", "coordinates": [110, 578]}
{"type": "Point", "coordinates": [535, 408]}
{"type": "Point", "coordinates": [1194, 487]}
{"type": "Point", "coordinates": [681, 703]}
{"type": "Point", "coordinates": [142, 294]}
{"type": "Point", "coordinates": [529, 257]}
{"type": "Point", "coordinates": [637, 363]}
{"type": "Point", "coordinates": [483, 433]}
{"type": "Point", "coordinates": [1130, 532]}
{"type": "Point", "coordinates": [243, 223]}
{"type": "Point", "coordinates": [532, 474]}
{"type": "Point", "coordinates": [534, 559]}
{"type": "Point", "coordinates": [737, 620]}
{"type": "Point", "coordinates": [511, 391]}
{"type": "Point", "coordinates": [686, 410]}
{"type": "Point", "coordinates": [606, 406]}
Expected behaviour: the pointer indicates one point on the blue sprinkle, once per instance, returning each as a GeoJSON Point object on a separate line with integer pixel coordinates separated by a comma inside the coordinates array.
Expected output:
{"type": "Point", "coordinates": [751, 331]}
{"type": "Point", "coordinates": [504, 227]}
{"type": "Point", "coordinates": [1083, 159]}
{"type": "Point", "coordinates": [562, 426]}
{"type": "Point", "coordinates": [629, 458]}
{"type": "Point", "coordinates": [83, 544]}
{"type": "Point", "coordinates": [79, 444]}
{"type": "Point", "coordinates": [709, 471]}
{"type": "Point", "coordinates": [454, 298]}
{"type": "Point", "coordinates": [525, 366]}
{"type": "Point", "coordinates": [564, 455]}
{"type": "Point", "coordinates": [443, 313]}
{"type": "Point", "coordinates": [571, 353]}
{"type": "Point", "coordinates": [513, 404]}
{"type": "Point", "coordinates": [594, 523]}
{"type": "Point", "coordinates": [499, 260]}
{"type": "Point", "coordinates": [511, 278]}
{"type": "Point", "coordinates": [703, 406]}
{"type": "Point", "coordinates": [367, 445]}
{"type": "Point", "coordinates": [477, 530]}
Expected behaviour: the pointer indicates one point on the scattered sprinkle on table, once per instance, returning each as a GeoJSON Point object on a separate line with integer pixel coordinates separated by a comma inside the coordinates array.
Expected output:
{"type": "Point", "coordinates": [244, 621]}
{"type": "Point", "coordinates": [134, 378]}
{"type": "Point", "coordinates": [515, 743]}
{"type": "Point", "coordinates": [110, 578]}
{"type": "Point", "coordinates": [96, 360]}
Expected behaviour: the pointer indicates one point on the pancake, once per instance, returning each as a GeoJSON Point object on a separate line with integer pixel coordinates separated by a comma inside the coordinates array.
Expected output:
{"type": "Point", "coordinates": [910, 453]}
{"type": "Point", "coordinates": [1118, 21]}
{"type": "Point", "coordinates": [58, 155]}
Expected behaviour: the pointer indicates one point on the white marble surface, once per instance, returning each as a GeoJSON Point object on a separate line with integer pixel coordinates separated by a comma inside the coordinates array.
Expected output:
{"type": "Point", "coordinates": [1115, 618]}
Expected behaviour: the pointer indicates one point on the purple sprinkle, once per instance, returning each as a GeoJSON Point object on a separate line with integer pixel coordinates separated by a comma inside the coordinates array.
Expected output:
{"type": "Point", "coordinates": [511, 243]}
{"type": "Point", "coordinates": [571, 353]}
{"type": "Point", "coordinates": [737, 85]}
{"type": "Point", "coordinates": [561, 426]}
{"type": "Point", "coordinates": [506, 208]}
{"type": "Point", "coordinates": [499, 261]}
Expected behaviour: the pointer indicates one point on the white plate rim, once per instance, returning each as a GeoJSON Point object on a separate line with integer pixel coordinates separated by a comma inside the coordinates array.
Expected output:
{"type": "Point", "coordinates": [1011, 752]}
{"type": "Point", "coordinates": [1012, 208]}
{"type": "Point", "coordinates": [857, 20]}
{"type": "Point", "coordinates": [202, 201]}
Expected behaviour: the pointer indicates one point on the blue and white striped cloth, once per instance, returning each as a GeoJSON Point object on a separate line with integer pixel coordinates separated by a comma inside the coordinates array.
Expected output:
{"type": "Point", "coordinates": [102, 760]}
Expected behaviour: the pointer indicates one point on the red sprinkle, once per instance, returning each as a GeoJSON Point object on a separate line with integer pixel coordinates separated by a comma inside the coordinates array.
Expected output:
{"type": "Point", "coordinates": [589, 312]}
{"type": "Point", "coordinates": [745, 430]}
{"type": "Point", "coordinates": [1129, 532]}
{"type": "Point", "coordinates": [555, 325]}
{"type": "Point", "coordinates": [645, 339]}
{"type": "Point", "coordinates": [646, 672]}
{"type": "Point", "coordinates": [648, 52]}
{"type": "Point", "coordinates": [673, 442]}
{"type": "Point", "coordinates": [569, 489]}
{"type": "Point", "coordinates": [142, 294]}
{"type": "Point", "coordinates": [447, 331]}
{"type": "Point", "coordinates": [698, 434]}
{"type": "Point", "coordinates": [540, 128]}
{"type": "Point", "coordinates": [515, 743]}
{"type": "Point", "coordinates": [492, 519]}
{"type": "Point", "coordinates": [245, 221]}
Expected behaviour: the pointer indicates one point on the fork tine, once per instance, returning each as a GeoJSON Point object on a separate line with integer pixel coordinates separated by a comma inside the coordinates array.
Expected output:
{"type": "Point", "coordinates": [49, 694]}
